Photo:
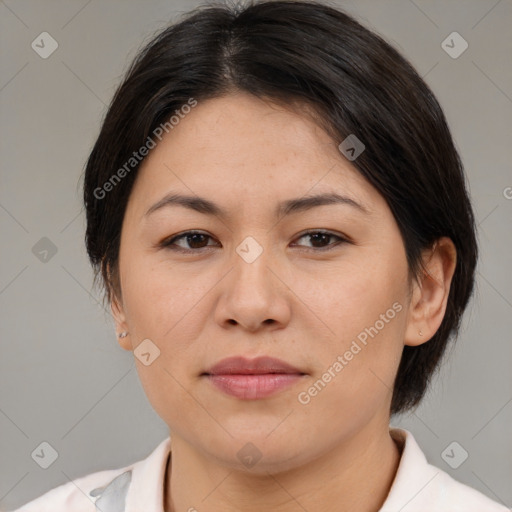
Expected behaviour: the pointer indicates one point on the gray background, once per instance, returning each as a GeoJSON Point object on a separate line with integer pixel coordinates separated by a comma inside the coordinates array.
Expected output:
{"type": "Point", "coordinates": [63, 377]}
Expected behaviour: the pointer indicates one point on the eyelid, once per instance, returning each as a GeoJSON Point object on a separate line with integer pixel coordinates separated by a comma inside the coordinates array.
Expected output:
{"type": "Point", "coordinates": [344, 237]}
{"type": "Point", "coordinates": [168, 242]}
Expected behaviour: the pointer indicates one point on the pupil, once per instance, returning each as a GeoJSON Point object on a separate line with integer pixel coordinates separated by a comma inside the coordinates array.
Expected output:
{"type": "Point", "coordinates": [319, 235]}
{"type": "Point", "coordinates": [195, 239]}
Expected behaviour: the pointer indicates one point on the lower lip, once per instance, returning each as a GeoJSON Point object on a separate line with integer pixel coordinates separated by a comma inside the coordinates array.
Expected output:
{"type": "Point", "coordinates": [253, 387]}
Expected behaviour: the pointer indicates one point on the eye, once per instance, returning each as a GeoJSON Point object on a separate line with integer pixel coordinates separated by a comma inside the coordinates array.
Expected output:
{"type": "Point", "coordinates": [321, 238]}
{"type": "Point", "coordinates": [194, 239]}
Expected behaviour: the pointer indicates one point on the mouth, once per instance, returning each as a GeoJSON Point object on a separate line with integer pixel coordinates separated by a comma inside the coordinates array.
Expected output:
{"type": "Point", "coordinates": [252, 379]}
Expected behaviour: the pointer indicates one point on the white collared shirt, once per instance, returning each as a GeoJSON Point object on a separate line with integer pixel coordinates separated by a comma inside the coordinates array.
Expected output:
{"type": "Point", "coordinates": [139, 487]}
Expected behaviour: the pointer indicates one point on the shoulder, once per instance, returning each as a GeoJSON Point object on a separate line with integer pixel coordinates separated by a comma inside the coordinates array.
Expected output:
{"type": "Point", "coordinates": [421, 487]}
{"type": "Point", "coordinates": [80, 494]}
{"type": "Point", "coordinates": [109, 490]}
{"type": "Point", "coordinates": [461, 497]}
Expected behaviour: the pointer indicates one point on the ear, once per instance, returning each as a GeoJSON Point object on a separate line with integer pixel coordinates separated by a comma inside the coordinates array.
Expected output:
{"type": "Point", "coordinates": [120, 321]}
{"type": "Point", "coordinates": [430, 292]}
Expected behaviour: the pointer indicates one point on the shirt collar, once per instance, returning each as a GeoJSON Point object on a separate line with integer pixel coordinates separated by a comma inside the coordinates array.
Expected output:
{"type": "Point", "coordinates": [414, 473]}
{"type": "Point", "coordinates": [147, 489]}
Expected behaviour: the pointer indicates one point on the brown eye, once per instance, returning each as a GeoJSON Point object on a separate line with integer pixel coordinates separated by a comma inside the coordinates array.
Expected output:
{"type": "Point", "coordinates": [194, 241]}
{"type": "Point", "coordinates": [320, 239]}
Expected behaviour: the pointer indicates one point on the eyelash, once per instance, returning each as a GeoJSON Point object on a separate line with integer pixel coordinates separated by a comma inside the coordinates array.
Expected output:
{"type": "Point", "coordinates": [169, 242]}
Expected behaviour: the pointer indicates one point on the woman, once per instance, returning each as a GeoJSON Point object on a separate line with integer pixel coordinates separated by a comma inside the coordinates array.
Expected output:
{"type": "Point", "coordinates": [280, 219]}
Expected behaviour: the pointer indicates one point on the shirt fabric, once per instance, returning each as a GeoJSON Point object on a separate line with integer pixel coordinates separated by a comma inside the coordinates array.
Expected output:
{"type": "Point", "coordinates": [139, 487]}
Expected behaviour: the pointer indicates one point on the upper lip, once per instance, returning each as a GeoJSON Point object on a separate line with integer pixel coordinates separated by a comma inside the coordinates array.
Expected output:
{"type": "Point", "coordinates": [257, 366]}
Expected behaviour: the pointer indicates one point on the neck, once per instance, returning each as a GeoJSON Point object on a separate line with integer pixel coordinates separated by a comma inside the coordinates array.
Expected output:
{"type": "Point", "coordinates": [356, 475]}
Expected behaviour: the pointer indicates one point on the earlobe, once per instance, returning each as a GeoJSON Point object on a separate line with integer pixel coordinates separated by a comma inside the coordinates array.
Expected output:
{"type": "Point", "coordinates": [121, 325]}
{"type": "Point", "coordinates": [431, 291]}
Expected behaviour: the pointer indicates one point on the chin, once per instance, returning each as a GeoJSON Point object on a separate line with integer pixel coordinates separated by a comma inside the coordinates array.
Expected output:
{"type": "Point", "coordinates": [254, 451]}
{"type": "Point", "coordinates": [264, 459]}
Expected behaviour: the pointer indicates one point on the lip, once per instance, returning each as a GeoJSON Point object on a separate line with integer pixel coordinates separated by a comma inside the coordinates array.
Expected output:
{"type": "Point", "coordinates": [258, 366]}
{"type": "Point", "coordinates": [252, 379]}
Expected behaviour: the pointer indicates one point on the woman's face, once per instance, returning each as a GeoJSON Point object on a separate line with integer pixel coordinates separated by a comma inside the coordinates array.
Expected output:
{"type": "Point", "coordinates": [255, 284]}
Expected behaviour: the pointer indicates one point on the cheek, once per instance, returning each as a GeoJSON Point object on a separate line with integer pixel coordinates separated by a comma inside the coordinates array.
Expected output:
{"type": "Point", "coordinates": [163, 302]}
{"type": "Point", "coordinates": [358, 297]}
{"type": "Point", "coordinates": [161, 305]}
{"type": "Point", "coordinates": [355, 382]}
{"type": "Point", "coordinates": [170, 306]}
{"type": "Point", "coordinates": [366, 312]}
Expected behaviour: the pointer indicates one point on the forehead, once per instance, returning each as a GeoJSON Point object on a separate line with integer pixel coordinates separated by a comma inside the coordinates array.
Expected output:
{"type": "Point", "coordinates": [244, 149]}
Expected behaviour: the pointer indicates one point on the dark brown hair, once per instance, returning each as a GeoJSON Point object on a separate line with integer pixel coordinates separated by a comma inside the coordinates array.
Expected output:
{"type": "Point", "coordinates": [309, 54]}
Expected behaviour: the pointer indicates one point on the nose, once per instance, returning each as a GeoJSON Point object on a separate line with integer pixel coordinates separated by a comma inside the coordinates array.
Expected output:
{"type": "Point", "coordinates": [253, 296]}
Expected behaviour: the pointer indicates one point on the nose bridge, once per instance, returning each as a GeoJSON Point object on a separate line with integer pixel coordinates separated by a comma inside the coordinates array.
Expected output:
{"type": "Point", "coordinates": [252, 262]}
{"type": "Point", "coordinates": [252, 295]}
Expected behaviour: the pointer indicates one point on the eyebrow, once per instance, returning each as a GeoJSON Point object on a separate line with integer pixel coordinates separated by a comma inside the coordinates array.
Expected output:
{"type": "Point", "coordinates": [301, 204]}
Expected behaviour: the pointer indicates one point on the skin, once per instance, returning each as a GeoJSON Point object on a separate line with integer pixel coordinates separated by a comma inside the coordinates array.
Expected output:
{"type": "Point", "coordinates": [294, 302]}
